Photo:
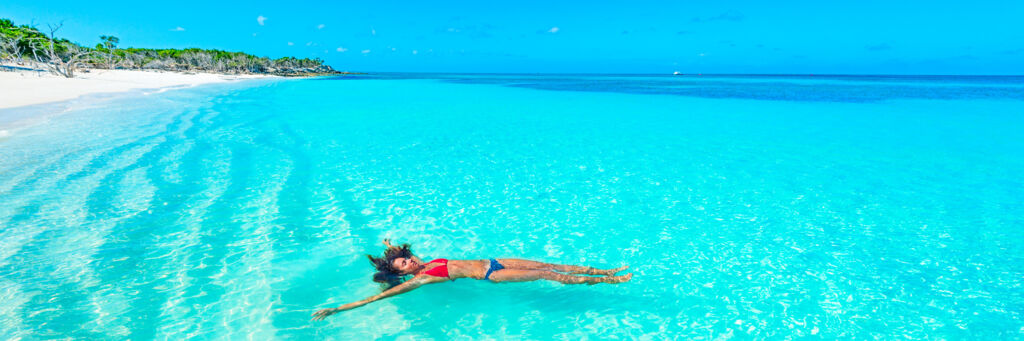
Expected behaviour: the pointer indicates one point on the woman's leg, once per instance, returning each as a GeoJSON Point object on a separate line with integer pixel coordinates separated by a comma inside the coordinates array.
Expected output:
{"type": "Point", "coordinates": [514, 275]}
{"type": "Point", "coordinates": [523, 264]}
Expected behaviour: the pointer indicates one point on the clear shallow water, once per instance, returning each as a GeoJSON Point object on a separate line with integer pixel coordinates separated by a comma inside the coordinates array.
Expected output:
{"type": "Point", "coordinates": [237, 210]}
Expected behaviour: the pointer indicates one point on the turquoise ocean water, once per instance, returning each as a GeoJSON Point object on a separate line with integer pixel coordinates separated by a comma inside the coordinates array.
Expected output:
{"type": "Point", "coordinates": [748, 207]}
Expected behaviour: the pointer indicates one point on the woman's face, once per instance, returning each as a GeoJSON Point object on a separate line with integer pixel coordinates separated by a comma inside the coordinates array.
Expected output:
{"type": "Point", "coordinates": [405, 265]}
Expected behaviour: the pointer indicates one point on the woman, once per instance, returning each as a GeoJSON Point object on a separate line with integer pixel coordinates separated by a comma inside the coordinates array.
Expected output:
{"type": "Point", "coordinates": [398, 262]}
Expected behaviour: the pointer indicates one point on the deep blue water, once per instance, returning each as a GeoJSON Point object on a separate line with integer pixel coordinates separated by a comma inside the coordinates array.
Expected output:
{"type": "Point", "coordinates": [804, 88]}
{"type": "Point", "coordinates": [747, 206]}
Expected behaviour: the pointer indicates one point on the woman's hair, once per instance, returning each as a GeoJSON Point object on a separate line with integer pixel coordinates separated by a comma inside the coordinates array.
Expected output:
{"type": "Point", "coordinates": [386, 273]}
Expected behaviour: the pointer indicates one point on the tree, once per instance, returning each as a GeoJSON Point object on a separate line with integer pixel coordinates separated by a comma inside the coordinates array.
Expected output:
{"type": "Point", "coordinates": [7, 48]}
{"type": "Point", "coordinates": [61, 57]}
{"type": "Point", "coordinates": [64, 58]}
{"type": "Point", "coordinates": [109, 43]}
{"type": "Point", "coordinates": [11, 42]}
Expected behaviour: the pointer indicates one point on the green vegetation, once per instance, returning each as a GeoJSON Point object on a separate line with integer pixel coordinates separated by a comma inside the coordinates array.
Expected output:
{"type": "Point", "coordinates": [26, 44]}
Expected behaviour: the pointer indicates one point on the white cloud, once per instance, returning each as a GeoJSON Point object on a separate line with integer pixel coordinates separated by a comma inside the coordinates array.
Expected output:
{"type": "Point", "coordinates": [373, 31]}
{"type": "Point", "coordinates": [254, 34]}
{"type": "Point", "coordinates": [415, 52]}
{"type": "Point", "coordinates": [261, 19]}
{"type": "Point", "coordinates": [366, 51]}
{"type": "Point", "coordinates": [320, 27]}
{"type": "Point", "coordinates": [291, 43]}
{"type": "Point", "coordinates": [341, 49]}
{"type": "Point", "coordinates": [178, 29]}
{"type": "Point", "coordinates": [394, 49]}
{"type": "Point", "coordinates": [553, 30]}
{"type": "Point", "coordinates": [309, 44]}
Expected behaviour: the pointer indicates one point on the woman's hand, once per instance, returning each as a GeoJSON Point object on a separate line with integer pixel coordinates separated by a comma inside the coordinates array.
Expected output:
{"type": "Point", "coordinates": [324, 313]}
{"type": "Point", "coordinates": [387, 242]}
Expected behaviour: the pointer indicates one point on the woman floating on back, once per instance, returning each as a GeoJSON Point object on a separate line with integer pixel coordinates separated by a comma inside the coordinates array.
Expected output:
{"type": "Point", "coordinates": [398, 262]}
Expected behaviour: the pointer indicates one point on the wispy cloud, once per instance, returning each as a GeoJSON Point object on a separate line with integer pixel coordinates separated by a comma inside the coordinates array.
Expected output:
{"type": "Point", "coordinates": [178, 29]}
{"type": "Point", "coordinates": [878, 47]}
{"type": "Point", "coordinates": [261, 19]}
{"type": "Point", "coordinates": [373, 31]}
{"type": "Point", "coordinates": [341, 49]}
{"type": "Point", "coordinates": [727, 16]}
{"type": "Point", "coordinates": [553, 30]}
{"type": "Point", "coordinates": [291, 44]}
{"type": "Point", "coordinates": [321, 26]}
{"type": "Point", "coordinates": [683, 32]}
{"type": "Point", "coordinates": [365, 51]}
{"type": "Point", "coordinates": [415, 52]}
{"type": "Point", "coordinates": [309, 43]}
{"type": "Point", "coordinates": [473, 31]}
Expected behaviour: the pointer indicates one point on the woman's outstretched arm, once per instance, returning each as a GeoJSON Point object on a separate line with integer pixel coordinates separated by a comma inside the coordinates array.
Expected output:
{"type": "Point", "coordinates": [405, 287]}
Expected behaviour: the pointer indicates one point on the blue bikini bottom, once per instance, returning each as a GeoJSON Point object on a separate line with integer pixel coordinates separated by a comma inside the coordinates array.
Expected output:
{"type": "Point", "coordinates": [495, 266]}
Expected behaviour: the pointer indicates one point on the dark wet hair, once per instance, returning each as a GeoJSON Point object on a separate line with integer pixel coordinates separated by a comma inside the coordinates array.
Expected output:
{"type": "Point", "coordinates": [386, 273]}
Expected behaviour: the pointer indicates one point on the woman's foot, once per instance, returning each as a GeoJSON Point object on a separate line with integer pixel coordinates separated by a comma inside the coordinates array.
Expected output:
{"type": "Point", "coordinates": [619, 279]}
{"type": "Point", "coordinates": [610, 272]}
{"type": "Point", "coordinates": [612, 279]}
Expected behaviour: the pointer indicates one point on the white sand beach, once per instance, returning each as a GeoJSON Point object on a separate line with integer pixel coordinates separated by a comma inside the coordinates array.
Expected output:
{"type": "Point", "coordinates": [21, 88]}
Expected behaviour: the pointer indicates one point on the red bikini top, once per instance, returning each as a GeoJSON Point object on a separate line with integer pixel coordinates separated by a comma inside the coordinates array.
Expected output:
{"type": "Point", "coordinates": [440, 270]}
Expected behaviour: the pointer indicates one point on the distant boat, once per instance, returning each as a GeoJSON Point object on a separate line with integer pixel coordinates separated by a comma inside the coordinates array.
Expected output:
{"type": "Point", "coordinates": [677, 73]}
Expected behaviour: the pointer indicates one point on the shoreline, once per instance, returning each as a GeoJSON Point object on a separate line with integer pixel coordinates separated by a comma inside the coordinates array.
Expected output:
{"type": "Point", "coordinates": [28, 88]}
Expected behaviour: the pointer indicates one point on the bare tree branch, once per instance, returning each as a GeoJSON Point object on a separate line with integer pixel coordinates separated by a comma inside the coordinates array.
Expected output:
{"type": "Point", "coordinates": [61, 58]}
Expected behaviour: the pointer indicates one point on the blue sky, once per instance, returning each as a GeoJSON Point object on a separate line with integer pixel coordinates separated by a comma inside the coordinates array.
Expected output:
{"type": "Point", "coordinates": [815, 37]}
